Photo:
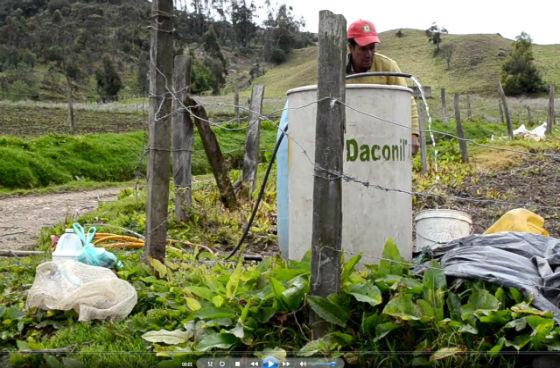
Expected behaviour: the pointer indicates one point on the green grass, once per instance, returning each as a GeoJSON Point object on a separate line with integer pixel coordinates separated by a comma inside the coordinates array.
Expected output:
{"type": "Point", "coordinates": [55, 160]}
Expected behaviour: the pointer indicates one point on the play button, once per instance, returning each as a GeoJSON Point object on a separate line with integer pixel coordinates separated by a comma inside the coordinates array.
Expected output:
{"type": "Point", "coordinates": [270, 362]}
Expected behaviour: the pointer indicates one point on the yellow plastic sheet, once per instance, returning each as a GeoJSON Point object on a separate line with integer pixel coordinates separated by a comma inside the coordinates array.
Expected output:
{"type": "Point", "coordinates": [519, 220]}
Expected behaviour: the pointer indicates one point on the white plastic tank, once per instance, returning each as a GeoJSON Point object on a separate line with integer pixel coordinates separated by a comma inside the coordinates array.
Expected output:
{"type": "Point", "coordinates": [375, 151]}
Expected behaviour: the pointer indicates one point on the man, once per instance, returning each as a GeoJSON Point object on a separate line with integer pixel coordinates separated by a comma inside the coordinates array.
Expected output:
{"type": "Point", "coordinates": [362, 41]}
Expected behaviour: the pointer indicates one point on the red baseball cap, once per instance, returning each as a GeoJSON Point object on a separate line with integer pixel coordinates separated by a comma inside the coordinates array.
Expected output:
{"type": "Point", "coordinates": [363, 32]}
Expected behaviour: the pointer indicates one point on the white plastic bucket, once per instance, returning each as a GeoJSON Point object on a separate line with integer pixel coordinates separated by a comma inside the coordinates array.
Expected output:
{"type": "Point", "coordinates": [437, 227]}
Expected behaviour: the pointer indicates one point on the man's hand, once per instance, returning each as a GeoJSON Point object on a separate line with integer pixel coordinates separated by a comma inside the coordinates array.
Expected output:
{"type": "Point", "coordinates": [415, 144]}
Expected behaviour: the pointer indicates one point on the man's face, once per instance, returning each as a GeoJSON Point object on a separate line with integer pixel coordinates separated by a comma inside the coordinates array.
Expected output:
{"type": "Point", "coordinates": [362, 57]}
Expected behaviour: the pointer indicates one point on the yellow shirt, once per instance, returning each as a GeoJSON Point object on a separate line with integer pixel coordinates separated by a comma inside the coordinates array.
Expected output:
{"type": "Point", "coordinates": [382, 63]}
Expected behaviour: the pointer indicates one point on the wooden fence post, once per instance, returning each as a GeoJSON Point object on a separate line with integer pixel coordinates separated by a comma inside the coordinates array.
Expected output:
{"type": "Point", "coordinates": [251, 158]}
{"type": "Point", "coordinates": [443, 107]}
{"type": "Point", "coordinates": [501, 112]}
{"type": "Point", "coordinates": [550, 120]}
{"type": "Point", "coordinates": [213, 152]}
{"type": "Point", "coordinates": [469, 110]}
{"type": "Point", "coordinates": [329, 142]}
{"type": "Point", "coordinates": [71, 119]}
{"type": "Point", "coordinates": [422, 137]}
{"type": "Point", "coordinates": [460, 132]}
{"type": "Point", "coordinates": [236, 104]}
{"type": "Point", "coordinates": [506, 110]}
{"type": "Point", "coordinates": [159, 131]}
{"type": "Point", "coordinates": [182, 143]}
{"type": "Point", "coordinates": [529, 117]}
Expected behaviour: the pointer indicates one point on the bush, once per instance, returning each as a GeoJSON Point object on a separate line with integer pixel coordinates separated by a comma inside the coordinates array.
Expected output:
{"type": "Point", "coordinates": [519, 74]}
{"type": "Point", "coordinates": [278, 56]}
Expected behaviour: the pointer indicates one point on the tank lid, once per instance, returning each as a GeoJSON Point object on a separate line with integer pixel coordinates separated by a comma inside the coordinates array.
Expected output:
{"type": "Point", "coordinates": [353, 86]}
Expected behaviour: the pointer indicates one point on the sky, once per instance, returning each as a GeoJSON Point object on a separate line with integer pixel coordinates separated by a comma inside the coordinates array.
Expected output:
{"type": "Point", "coordinates": [538, 18]}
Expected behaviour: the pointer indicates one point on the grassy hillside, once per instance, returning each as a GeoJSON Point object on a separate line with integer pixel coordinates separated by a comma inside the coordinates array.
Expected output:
{"type": "Point", "coordinates": [475, 62]}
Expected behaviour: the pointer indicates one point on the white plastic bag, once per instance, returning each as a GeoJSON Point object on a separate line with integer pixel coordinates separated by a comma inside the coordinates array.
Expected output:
{"type": "Point", "coordinates": [93, 292]}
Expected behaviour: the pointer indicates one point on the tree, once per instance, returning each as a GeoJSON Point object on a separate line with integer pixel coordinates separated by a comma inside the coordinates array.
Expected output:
{"type": "Point", "coordinates": [211, 46]}
{"type": "Point", "coordinates": [242, 21]}
{"type": "Point", "coordinates": [282, 34]}
{"type": "Point", "coordinates": [108, 81]}
{"type": "Point", "coordinates": [519, 74]}
{"type": "Point", "coordinates": [434, 35]}
{"type": "Point", "coordinates": [64, 54]}
{"type": "Point", "coordinates": [446, 51]}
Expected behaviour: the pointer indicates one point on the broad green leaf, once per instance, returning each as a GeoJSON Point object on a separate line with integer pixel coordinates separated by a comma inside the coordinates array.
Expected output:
{"type": "Point", "coordinates": [167, 337]}
{"type": "Point", "coordinates": [427, 311]}
{"type": "Point", "coordinates": [295, 294]}
{"type": "Point", "coordinates": [327, 310]}
{"type": "Point", "coordinates": [479, 300]}
{"type": "Point", "coordinates": [209, 313]}
{"type": "Point", "coordinates": [541, 328]}
{"type": "Point", "coordinates": [366, 293]}
{"type": "Point", "coordinates": [382, 329]}
{"type": "Point", "coordinates": [369, 322]}
{"type": "Point", "coordinates": [519, 324]}
{"type": "Point", "coordinates": [277, 290]}
{"type": "Point", "coordinates": [201, 292]}
{"type": "Point", "coordinates": [454, 306]}
{"type": "Point", "coordinates": [71, 363]}
{"type": "Point", "coordinates": [466, 328]}
{"type": "Point", "coordinates": [233, 282]}
{"type": "Point", "coordinates": [495, 317]}
{"type": "Point", "coordinates": [434, 277]}
{"type": "Point", "coordinates": [446, 353]}
{"type": "Point", "coordinates": [516, 295]}
{"type": "Point", "coordinates": [349, 267]}
{"type": "Point", "coordinates": [216, 341]}
{"type": "Point", "coordinates": [388, 282]}
{"type": "Point", "coordinates": [498, 347]}
{"type": "Point", "coordinates": [524, 308]}
{"type": "Point", "coordinates": [218, 301]}
{"type": "Point", "coordinates": [327, 344]}
{"type": "Point", "coordinates": [519, 341]}
{"type": "Point", "coordinates": [52, 362]}
{"type": "Point", "coordinates": [413, 286]}
{"type": "Point", "coordinates": [238, 331]}
{"type": "Point", "coordinates": [159, 267]}
{"type": "Point", "coordinates": [193, 304]}
{"type": "Point", "coordinates": [402, 307]}
{"type": "Point", "coordinates": [391, 262]}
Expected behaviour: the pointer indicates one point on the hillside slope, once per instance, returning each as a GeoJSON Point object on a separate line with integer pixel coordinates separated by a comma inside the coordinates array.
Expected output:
{"type": "Point", "coordinates": [474, 66]}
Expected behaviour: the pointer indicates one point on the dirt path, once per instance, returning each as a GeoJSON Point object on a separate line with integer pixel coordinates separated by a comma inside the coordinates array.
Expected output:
{"type": "Point", "coordinates": [21, 218]}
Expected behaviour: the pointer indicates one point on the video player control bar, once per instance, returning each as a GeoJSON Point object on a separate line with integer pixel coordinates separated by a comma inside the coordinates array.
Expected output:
{"type": "Point", "coordinates": [268, 362]}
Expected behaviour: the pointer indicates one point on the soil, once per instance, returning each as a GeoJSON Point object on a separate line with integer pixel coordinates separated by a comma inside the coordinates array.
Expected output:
{"type": "Point", "coordinates": [534, 185]}
{"type": "Point", "coordinates": [21, 218]}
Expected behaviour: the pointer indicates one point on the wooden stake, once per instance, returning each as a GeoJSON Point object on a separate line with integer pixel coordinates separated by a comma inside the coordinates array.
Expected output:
{"type": "Point", "coordinates": [251, 158]}
{"type": "Point", "coordinates": [550, 119]}
{"type": "Point", "coordinates": [443, 107]}
{"type": "Point", "coordinates": [329, 141]}
{"type": "Point", "coordinates": [469, 110]}
{"type": "Point", "coordinates": [460, 132]}
{"type": "Point", "coordinates": [214, 154]}
{"type": "Point", "coordinates": [159, 128]}
{"type": "Point", "coordinates": [506, 110]}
